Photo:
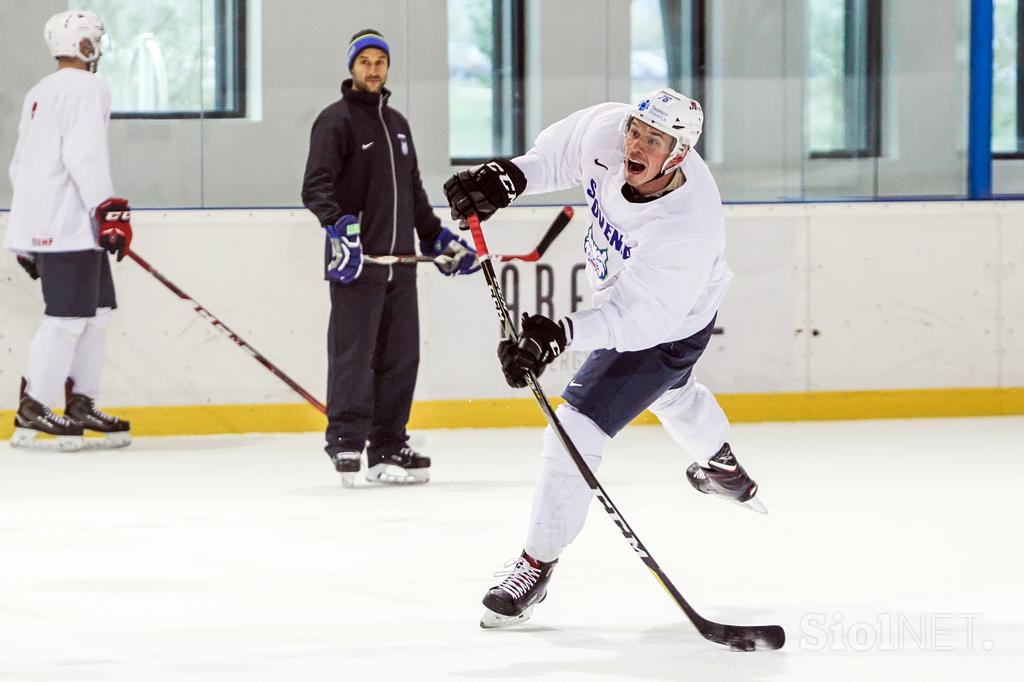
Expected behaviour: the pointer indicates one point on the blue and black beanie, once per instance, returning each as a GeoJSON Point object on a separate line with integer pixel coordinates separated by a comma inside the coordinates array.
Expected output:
{"type": "Point", "coordinates": [363, 39]}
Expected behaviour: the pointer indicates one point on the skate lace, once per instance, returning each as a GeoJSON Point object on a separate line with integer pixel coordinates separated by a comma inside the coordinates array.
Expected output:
{"type": "Point", "coordinates": [519, 579]}
{"type": "Point", "coordinates": [97, 413]}
{"type": "Point", "coordinates": [52, 416]}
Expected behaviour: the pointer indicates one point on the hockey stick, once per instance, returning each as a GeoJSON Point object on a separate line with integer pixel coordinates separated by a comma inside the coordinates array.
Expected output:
{"type": "Point", "coordinates": [736, 637]}
{"type": "Point", "coordinates": [212, 319]}
{"type": "Point", "coordinates": [556, 227]}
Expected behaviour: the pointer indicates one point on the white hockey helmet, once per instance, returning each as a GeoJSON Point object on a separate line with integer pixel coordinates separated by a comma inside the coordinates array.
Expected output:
{"type": "Point", "coordinates": [673, 114]}
{"type": "Point", "coordinates": [65, 31]}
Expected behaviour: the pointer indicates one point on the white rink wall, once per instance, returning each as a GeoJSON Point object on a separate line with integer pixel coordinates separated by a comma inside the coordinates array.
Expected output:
{"type": "Point", "coordinates": [827, 297]}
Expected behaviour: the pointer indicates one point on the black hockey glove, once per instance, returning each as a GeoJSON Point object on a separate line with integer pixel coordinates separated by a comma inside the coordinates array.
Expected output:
{"type": "Point", "coordinates": [29, 265]}
{"type": "Point", "coordinates": [484, 189]}
{"type": "Point", "coordinates": [541, 341]}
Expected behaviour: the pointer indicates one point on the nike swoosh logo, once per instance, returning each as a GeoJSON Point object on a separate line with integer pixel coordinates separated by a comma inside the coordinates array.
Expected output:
{"type": "Point", "coordinates": [728, 468]}
{"type": "Point", "coordinates": [573, 383]}
{"type": "Point", "coordinates": [598, 162]}
{"type": "Point", "coordinates": [367, 145]}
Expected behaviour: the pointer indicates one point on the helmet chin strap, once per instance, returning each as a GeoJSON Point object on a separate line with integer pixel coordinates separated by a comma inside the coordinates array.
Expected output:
{"type": "Point", "coordinates": [665, 168]}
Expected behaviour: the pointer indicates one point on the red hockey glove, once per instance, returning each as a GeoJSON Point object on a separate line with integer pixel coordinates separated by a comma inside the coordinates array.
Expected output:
{"type": "Point", "coordinates": [115, 218]}
{"type": "Point", "coordinates": [29, 264]}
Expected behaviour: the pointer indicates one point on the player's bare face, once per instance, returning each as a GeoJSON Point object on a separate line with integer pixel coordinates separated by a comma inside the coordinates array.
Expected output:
{"type": "Point", "coordinates": [370, 70]}
{"type": "Point", "coordinates": [646, 150]}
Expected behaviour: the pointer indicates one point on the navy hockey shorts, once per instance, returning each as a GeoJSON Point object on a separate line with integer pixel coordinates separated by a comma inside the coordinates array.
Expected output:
{"type": "Point", "coordinates": [76, 283]}
{"type": "Point", "coordinates": [613, 388]}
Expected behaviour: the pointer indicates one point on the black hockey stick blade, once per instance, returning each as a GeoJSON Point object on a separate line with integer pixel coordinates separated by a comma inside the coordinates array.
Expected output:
{"type": "Point", "coordinates": [744, 637]}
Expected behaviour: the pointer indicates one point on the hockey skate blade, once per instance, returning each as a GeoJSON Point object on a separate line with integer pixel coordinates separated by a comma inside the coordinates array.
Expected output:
{"type": "Point", "coordinates": [110, 441]}
{"type": "Point", "coordinates": [28, 439]}
{"type": "Point", "coordinates": [494, 621]}
{"type": "Point", "coordinates": [348, 479]}
{"type": "Point", "coordinates": [754, 505]}
{"type": "Point", "coordinates": [395, 475]}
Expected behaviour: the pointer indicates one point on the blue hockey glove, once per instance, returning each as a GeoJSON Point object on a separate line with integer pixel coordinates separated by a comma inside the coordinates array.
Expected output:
{"type": "Point", "coordinates": [460, 257]}
{"type": "Point", "coordinates": [346, 250]}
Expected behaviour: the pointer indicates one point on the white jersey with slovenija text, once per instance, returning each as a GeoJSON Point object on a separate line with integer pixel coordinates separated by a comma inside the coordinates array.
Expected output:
{"type": "Point", "coordinates": [657, 268]}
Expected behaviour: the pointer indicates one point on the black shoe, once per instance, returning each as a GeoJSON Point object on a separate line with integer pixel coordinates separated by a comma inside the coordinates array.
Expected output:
{"type": "Point", "coordinates": [403, 466]}
{"type": "Point", "coordinates": [724, 476]}
{"type": "Point", "coordinates": [512, 600]}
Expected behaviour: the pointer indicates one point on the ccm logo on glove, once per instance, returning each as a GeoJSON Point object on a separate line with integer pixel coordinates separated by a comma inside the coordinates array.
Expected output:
{"type": "Point", "coordinates": [505, 180]}
{"type": "Point", "coordinates": [115, 219]}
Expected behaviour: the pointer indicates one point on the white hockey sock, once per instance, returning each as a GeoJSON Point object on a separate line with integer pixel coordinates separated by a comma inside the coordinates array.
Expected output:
{"type": "Point", "coordinates": [87, 364]}
{"type": "Point", "coordinates": [562, 498]}
{"type": "Point", "coordinates": [50, 356]}
{"type": "Point", "coordinates": [693, 418]}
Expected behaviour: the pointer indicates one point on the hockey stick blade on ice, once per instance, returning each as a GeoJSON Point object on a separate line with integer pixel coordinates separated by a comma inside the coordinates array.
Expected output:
{"type": "Point", "coordinates": [556, 227]}
{"type": "Point", "coordinates": [736, 637]}
{"type": "Point", "coordinates": [212, 319]}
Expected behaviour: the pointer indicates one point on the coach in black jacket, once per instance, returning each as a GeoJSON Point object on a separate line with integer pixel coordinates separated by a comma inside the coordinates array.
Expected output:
{"type": "Point", "coordinates": [363, 183]}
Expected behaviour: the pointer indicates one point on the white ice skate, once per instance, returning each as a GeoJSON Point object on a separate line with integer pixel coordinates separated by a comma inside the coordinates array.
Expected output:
{"type": "Point", "coordinates": [403, 467]}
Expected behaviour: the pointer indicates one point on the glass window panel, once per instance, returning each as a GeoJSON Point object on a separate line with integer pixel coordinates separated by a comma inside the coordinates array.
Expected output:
{"type": "Point", "coordinates": [666, 47]}
{"type": "Point", "coordinates": [1006, 71]}
{"type": "Point", "coordinates": [485, 72]}
{"type": "Point", "coordinates": [648, 66]}
{"type": "Point", "coordinates": [167, 58]}
{"type": "Point", "coordinates": [471, 78]}
{"type": "Point", "coordinates": [826, 75]}
{"type": "Point", "coordinates": [844, 77]}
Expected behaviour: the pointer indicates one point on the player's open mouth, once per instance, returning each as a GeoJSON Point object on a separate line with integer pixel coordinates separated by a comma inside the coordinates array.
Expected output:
{"type": "Point", "coordinates": [635, 167]}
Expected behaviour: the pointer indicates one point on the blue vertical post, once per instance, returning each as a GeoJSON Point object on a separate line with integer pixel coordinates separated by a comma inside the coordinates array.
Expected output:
{"type": "Point", "coordinates": [979, 137]}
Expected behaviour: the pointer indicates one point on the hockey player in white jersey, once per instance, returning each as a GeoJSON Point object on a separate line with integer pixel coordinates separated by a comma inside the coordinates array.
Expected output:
{"type": "Point", "coordinates": [655, 252]}
{"type": "Point", "coordinates": [63, 216]}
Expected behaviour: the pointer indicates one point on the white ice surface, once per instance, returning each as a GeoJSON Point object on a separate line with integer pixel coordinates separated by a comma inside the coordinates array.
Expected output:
{"type": "Point", "coordinates": [241, 558]}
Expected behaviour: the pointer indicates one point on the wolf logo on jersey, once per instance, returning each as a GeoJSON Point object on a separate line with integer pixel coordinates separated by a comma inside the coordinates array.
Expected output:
{"type": "Point", "coordinates": [596, 256]}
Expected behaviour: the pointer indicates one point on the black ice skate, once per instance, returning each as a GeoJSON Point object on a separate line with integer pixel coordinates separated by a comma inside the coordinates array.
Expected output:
{"type": "Point", "coordinates": [404, 466]}
{"type": "Point", "coordinates": [33, 419]}
{"type": "Point", "coordinates": [512, 600]}
{"type": "Point", "coordinates": [82, 410]}
{"type": "Point", "coordinates": [346, 464]}
{"type": "Point", "coordinates": [724, 476]}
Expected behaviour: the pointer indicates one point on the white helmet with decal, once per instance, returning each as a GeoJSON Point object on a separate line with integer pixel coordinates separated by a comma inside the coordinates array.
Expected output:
{"type": "Point", "coordinates": [673, 114]}
{"type": "Point", "coordinates": [65, 31]}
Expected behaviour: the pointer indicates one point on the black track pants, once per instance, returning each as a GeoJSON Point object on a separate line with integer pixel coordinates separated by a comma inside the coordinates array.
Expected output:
{"type": "Point", "coordinates": [373, 354]}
